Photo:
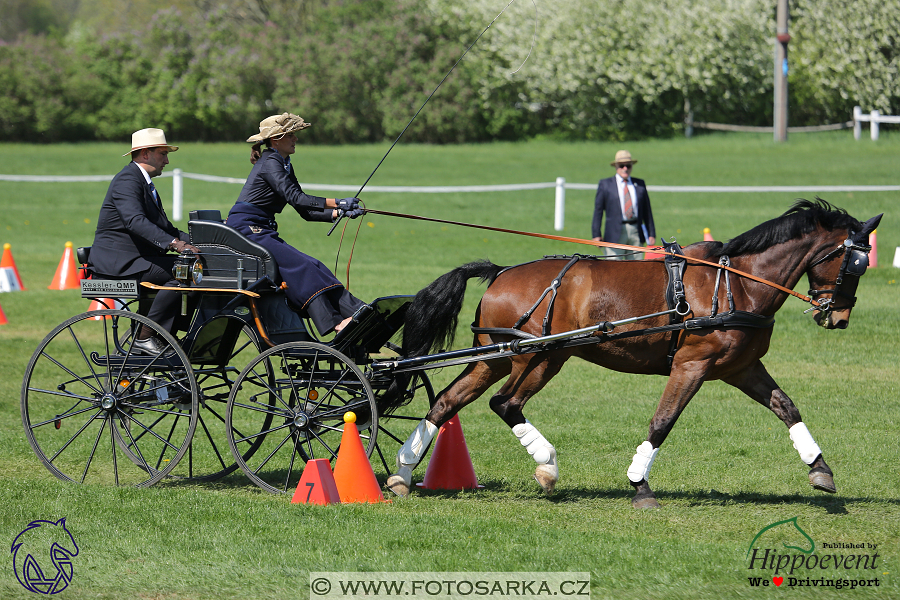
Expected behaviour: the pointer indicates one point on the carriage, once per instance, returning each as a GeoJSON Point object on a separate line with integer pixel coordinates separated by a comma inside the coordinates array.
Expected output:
{"type": "Point", "coordinates": [248, 371]}
{"type": "Point", "coordinates": [248, 385]}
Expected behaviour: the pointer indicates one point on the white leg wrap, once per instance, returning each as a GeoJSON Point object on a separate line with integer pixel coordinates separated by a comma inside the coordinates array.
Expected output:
{"type": "Point", "coordinates": [804, 443]}
{"type": "Point", "coordinates": [537, 445]}
{"type": "Point", "coordinates": [412, 451]}
{"type": "Point", "coordinates": [641, 463]}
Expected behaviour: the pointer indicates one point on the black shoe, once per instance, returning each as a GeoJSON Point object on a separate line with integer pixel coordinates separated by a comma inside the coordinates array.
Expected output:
{"type": "Point", "coordinates": [150, 346]}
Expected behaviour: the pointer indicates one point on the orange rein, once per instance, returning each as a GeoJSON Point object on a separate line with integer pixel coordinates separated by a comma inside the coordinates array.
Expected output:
{"type": "Point", "coordinates": [560, 238]}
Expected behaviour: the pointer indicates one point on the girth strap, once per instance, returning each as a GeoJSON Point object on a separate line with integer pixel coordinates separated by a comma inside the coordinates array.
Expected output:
{"type": "Point", "coordinates": [552, 290]}
{"type": "Point", "coordinates": [675, 297]}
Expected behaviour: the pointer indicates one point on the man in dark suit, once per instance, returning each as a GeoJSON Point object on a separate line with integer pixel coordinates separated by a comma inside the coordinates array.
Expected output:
{"type": "Point", "coordinates": [133, 232]}
{"type": "Point", "coordinates": [626, 203]}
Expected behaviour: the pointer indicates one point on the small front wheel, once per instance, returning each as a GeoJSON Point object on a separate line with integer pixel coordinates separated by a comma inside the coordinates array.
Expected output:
{"type": "Point", "coordinates": [304, 406]}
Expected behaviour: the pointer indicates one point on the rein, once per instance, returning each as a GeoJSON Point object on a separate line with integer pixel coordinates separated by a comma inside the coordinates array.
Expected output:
{"type": "Point", "coordinates": [548, 236]}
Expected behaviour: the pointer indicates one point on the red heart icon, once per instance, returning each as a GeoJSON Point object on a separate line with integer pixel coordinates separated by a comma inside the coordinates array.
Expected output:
{"type": "Point", "coordinates": [778, 580]}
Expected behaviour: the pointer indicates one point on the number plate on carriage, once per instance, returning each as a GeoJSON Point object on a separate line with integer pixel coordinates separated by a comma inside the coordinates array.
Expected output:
{"type": "Point", "coordinates": [109, 288]}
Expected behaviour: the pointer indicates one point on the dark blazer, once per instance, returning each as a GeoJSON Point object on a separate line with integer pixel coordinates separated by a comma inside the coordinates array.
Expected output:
{"type": "Point", "coordinates": [607, 200]}
{"type": "Point", "coordinates": [130, 227]}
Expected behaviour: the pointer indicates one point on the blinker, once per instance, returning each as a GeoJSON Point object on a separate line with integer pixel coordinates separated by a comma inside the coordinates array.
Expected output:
{"type": "Point", "coordinates": [858, 263]}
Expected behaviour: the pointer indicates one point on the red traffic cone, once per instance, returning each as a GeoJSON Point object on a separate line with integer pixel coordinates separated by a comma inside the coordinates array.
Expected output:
{"type": "Point", "coordinates": [707, 235]}
{"type": "Point", "coordinates": [105, 304]}
{"type": "Point", "coordinates": [873, 253]}
{"type": "Point", "coordinates": [317, 484]}
{"type": "Point", "coordinates": [450, 467]}
{"type": "Point", "coordinates": [7, 262]}
{"type": "Point", "coordinates": [66, 277]}
{"type": "Point", "coordinates": [353, 473]}
{"type": "Point", "coordinates": [654, 255]}
{"type": "Point", "coordinates": [3, 320]}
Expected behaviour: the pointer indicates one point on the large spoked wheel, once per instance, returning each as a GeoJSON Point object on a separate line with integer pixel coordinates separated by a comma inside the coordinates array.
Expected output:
{"type": "Point", "coordinates": [314, 386]}
{"type": "Point", "coordinates": [217, 363]}
{"type": "Point", "coordinates": [395, 426]}
{"type": "Point", "coordinates": [96, 410]}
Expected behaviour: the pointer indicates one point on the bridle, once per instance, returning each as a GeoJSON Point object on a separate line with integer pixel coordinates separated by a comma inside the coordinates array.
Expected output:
{"type": "Point", "coordinates": [854, 264]}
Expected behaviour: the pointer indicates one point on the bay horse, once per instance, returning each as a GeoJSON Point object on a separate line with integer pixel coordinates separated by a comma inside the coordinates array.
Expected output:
{"type": "Point", "coordinates": [812, 237]}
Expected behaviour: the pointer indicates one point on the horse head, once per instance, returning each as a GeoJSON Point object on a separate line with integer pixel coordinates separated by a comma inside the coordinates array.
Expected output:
{"type": "Point", "coordinates": [834, 277]}
{"type": "Point", "coordinates": [42, 556]}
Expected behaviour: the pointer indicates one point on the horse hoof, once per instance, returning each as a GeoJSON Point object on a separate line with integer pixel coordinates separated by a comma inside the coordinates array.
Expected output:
{"type": "Point", "coordinates": [396, 484]}
{"type": "Point", "coordinates": [547, 476]}
{"type": "Point", "coordinates": [645, 502]}
{"type": "Point", "coordinates": [821, 480]}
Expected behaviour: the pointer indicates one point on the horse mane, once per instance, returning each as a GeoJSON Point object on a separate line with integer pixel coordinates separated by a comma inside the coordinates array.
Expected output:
{"type": "Point", "coordinates": [800, 219]}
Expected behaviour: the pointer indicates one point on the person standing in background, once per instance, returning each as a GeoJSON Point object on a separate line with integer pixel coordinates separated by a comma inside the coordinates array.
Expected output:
{"type": "Point", "coordinates": [624, 199]}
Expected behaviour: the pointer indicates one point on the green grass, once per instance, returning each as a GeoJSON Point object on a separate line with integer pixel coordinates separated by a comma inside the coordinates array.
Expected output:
{"type": "Point", "coordinates": [726, 471]}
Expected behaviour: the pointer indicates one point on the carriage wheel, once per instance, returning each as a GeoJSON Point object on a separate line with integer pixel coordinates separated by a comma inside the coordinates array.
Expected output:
{"type": "Point", "coordinates": [395, 427]}
{"type": "Point", "coordinates": [94, 411]}
{"type": "Point", "coordinates": [305, 405]}
{"type": "Point", "coordinates": [209, 456]}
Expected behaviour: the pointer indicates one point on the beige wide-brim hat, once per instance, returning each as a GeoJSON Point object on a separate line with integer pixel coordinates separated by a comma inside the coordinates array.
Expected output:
{"type": "Point", "coordinates": [623, 156]}
{"type": "Point", "coordinates": [149, 138]}
{"type": "Point", "coordinates": [277, 125]}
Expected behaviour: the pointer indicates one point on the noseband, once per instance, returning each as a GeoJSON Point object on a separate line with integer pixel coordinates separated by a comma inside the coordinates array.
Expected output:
{"type": "Point", "coordinates": [855, 263]}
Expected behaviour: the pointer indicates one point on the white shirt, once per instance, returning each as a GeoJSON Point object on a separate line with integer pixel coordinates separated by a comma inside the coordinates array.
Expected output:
{"type": "Point", "coordinates": [621, 183]}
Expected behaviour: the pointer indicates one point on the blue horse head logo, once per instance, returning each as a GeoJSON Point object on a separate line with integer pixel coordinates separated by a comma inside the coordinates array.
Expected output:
{"type": "Point", "coordinates": [42, 556]}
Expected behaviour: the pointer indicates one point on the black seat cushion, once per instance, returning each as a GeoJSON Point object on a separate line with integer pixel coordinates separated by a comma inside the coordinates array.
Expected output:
{"type": "Point", "coordinates": [225, 253]}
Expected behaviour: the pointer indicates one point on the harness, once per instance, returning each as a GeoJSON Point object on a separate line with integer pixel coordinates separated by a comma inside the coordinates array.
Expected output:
{"type": "Point", "coordinates": [676, 299]}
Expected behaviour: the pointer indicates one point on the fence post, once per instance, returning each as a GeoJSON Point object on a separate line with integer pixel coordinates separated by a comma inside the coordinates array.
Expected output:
{"type": "Point", "coordinates": [560, 212]}
{"type": "Point", "coordinates": [874, 125]}
{"type": "Point", "coordinates": [176, 194]}
{"type": "Point", "coordinates": [857, 124]}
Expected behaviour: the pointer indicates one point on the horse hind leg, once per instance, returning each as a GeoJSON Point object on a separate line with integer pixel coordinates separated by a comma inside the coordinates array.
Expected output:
{"type": "Point", "coordinates": [527, 379]}
{"type": "Point", "coordinates": [466, 388]}
{"type": "Point", "coordinates": [759, 385]}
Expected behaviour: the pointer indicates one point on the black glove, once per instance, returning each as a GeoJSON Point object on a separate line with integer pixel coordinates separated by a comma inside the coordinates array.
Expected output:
{"type": "Point", "coordinates": [356, 212]}
{"type": "Point", "coordinates": [180, 247]}
{"type": "Point", "coordinates": [348, 204]}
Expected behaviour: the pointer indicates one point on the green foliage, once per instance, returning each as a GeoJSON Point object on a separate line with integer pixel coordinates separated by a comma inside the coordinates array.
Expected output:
{"type": "Point", "coordinates": [360, 69]}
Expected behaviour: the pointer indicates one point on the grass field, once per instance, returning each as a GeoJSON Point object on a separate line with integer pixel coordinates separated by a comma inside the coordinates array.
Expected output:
{"type": "Point", "coordinates": [726, 472]}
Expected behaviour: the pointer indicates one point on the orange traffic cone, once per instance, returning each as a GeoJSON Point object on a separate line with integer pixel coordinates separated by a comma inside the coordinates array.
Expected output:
{"type": "Point", "coordinates": [353, 473]}
{"type": "Point", "coordinates": [66, 277]}
{"type": "Point", "coordinates": [873, 253]}
{"type": "Point", "coordinates": [707, 235]}
{"type": "Point", "coordinates": [7, 262]}
{"type": "Point", "coordinates": [317, 484]}
{"type": "Point", "coordinates": [654, 255]}
{"type": "Point", "coordinates": [105, 304]}
{"type": "Point", "coordinates": [3, 320]}
{"type": "Point", "coordinates": [450, 467]}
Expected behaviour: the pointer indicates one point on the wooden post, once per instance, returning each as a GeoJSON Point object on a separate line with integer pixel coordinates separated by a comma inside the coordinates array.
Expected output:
{"type": "Point", "coordinates": [781, 72]}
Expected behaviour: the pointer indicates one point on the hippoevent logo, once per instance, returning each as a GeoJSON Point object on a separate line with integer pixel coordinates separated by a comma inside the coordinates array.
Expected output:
{"type": "Point", "coordinates": [42, 556]}
{"type": "Point", "coordinates": [782, 553]}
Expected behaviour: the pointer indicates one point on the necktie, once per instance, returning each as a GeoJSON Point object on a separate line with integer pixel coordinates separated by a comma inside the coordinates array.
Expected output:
{"type": "Point", "coordinates": [629, 208]}
{"type": "Point", "coordinates": [155, 195]}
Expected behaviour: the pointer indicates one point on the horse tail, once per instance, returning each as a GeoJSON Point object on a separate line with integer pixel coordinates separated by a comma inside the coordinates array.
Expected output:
{"type": "Point", "coordinates": [432, 317]}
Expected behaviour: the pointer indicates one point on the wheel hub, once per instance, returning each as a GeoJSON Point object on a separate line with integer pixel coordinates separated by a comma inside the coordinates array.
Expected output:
{"type": "Point", "coordinates": [108, 402]}
{"type": "Point", "coordinates": [301, 420]}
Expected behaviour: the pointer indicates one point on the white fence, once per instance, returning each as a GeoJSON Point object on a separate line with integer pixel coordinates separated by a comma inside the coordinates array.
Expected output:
{"type": "Point", "coordinates": [874, 118]}
{"type": "Point", "coordinates": [560, 186]}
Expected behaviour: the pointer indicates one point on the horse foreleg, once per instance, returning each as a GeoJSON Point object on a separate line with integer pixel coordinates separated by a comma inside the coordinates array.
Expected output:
{"type": "Point", "coordinates": [759, 385]}
{"type": "Point", "coordinates": [470, 384]}
{"type": "Point", "coordinates": [683, 383]}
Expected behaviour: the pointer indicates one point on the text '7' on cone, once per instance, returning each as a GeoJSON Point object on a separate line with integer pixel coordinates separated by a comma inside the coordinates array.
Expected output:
{"type": "Point", "coordinates": [317, 484]}
{"type": "Point", "coordinates": [353, 473]}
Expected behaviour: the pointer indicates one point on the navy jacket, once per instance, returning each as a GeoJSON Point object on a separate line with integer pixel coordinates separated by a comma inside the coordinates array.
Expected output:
{"type": "Point", "coordinates": [270, 187]}
{"type": "Point", "coordinates": [607, 200]}
{"type": "Point", "coordinates": [130, 226]}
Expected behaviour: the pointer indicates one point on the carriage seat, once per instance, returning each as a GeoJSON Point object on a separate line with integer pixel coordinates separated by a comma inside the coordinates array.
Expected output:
{"type": "Point", "coordinates": [229, 259]}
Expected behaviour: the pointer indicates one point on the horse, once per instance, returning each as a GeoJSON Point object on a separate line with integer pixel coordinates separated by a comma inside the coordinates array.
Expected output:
{"type": "Point", "coordinates": [812, 237]}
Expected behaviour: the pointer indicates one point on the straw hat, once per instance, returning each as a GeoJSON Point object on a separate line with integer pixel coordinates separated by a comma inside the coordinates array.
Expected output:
{"type": "Point", "coordinates": [149, 138]}
{"type": "Point", "coordinates": [622, 156]}
{"type": "Point", "coordinates": [278, 125]}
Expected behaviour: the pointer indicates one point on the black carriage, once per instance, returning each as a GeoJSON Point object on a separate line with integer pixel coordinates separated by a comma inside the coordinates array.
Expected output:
{"type": "Point", "coordinates": [244, 383]}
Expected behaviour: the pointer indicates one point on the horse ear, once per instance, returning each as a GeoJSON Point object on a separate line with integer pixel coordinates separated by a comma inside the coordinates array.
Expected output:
{"type": "Point", "coordinates": [870, 225]}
